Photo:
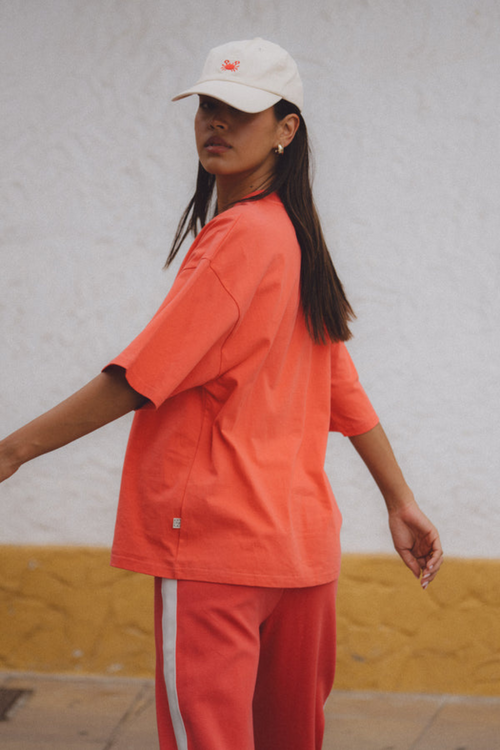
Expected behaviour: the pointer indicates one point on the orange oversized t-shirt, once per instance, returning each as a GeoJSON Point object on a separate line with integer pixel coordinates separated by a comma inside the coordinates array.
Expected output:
{"type": "Point", "coordinates": [224, 478]}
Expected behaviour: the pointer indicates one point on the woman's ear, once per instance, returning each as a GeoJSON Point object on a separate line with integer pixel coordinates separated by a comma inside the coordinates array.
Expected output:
{"type": "Point", "coordinates": [288, 126]}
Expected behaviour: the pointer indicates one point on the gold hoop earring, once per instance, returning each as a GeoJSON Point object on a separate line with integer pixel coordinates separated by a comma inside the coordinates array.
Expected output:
{"type": "Point", "coordinates": [279, 150]}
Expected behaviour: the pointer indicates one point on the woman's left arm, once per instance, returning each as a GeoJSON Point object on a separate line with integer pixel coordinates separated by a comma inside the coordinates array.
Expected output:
{"type": "Point", "coordinates": [415, 538]}
{"type": "Point", "coordinates": [106, 398]}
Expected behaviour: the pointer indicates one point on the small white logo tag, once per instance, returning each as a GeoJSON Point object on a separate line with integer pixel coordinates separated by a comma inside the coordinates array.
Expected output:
{"type": "Point", "coordinates": [177, 523]}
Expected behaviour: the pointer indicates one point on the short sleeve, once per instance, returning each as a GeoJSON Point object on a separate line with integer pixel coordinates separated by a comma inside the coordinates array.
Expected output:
{"type": "Point", "coordinates": [351, 412]}
{"type": "Point", "coordinates": [182, 345]}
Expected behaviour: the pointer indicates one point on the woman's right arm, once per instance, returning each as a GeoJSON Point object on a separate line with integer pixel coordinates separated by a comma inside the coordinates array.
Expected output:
{"type": "Point", "coordinates": [104, 399]}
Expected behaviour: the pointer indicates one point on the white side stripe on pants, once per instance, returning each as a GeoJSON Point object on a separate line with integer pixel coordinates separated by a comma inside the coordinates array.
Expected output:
{"type": "Point", "coordinates": [169, 631]}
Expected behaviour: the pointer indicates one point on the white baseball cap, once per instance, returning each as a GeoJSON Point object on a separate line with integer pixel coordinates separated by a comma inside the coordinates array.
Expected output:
{"type": "Point", "coordinates": [252, 76]}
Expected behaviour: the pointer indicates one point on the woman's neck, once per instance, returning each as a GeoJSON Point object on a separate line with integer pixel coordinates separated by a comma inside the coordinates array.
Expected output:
{"type": "Point", "coordinates": [230, 191]}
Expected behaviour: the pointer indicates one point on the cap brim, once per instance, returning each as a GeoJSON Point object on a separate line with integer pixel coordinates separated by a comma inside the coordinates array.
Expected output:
{"type": "Point", "coordinates": [237, 95]}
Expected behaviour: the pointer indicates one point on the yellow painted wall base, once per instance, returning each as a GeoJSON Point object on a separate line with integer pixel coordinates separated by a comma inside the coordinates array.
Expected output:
{"type": "Point", "coordinates": [65, 610]}
{"type": "Point", "coordinates": [394, 636]}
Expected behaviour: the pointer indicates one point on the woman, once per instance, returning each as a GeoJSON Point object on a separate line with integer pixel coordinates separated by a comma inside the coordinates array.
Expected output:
{"type": "Point", "coordinates": [236, 381]}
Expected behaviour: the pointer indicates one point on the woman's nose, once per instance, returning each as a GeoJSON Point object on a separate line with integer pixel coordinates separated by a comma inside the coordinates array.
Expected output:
{"type": "Point", "coordinates": [219, 119]}
{"type": "Point", "coordinates": [217, 123]}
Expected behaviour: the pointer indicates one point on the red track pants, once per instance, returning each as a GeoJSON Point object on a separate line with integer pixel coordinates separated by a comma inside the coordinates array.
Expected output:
{"type": "Point", "coordinates": [242, 668]}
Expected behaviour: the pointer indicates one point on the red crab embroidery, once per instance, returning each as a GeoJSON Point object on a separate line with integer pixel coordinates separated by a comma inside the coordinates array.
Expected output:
{"type": "Point", "coordinates": [228, 65]}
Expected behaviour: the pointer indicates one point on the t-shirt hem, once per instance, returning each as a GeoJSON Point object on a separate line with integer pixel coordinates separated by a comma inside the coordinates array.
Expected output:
{"type": "Point", "coordinates": [240, 578]}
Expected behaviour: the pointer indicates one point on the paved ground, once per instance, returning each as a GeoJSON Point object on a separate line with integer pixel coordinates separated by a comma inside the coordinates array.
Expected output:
{"type": "Point", "coordinates": [105, 714]}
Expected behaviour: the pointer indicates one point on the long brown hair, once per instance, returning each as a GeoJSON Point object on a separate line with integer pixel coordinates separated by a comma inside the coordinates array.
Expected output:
{"type": "Point", "coordinates": [326, 309]}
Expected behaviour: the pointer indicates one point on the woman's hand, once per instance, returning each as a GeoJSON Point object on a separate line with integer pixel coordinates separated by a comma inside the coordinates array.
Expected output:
{"type": "Point", "coordinates": [417, 542]}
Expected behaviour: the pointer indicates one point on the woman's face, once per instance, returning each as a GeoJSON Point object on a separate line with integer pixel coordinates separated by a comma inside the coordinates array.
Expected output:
{"type": "Point", "coordinates": [234, 145]}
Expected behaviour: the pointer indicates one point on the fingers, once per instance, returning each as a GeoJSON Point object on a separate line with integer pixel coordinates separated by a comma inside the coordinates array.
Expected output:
{"type": "Point", "coordinates": [431, 568]}
{"type": "Point", "coordinates": [410, 561]}
{"type": "Point", "coordinates": [424, 567]}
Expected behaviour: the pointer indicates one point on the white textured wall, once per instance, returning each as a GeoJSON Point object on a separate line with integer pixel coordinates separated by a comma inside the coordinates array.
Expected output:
{"type": "Point", "coordinates": [403, 105]}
